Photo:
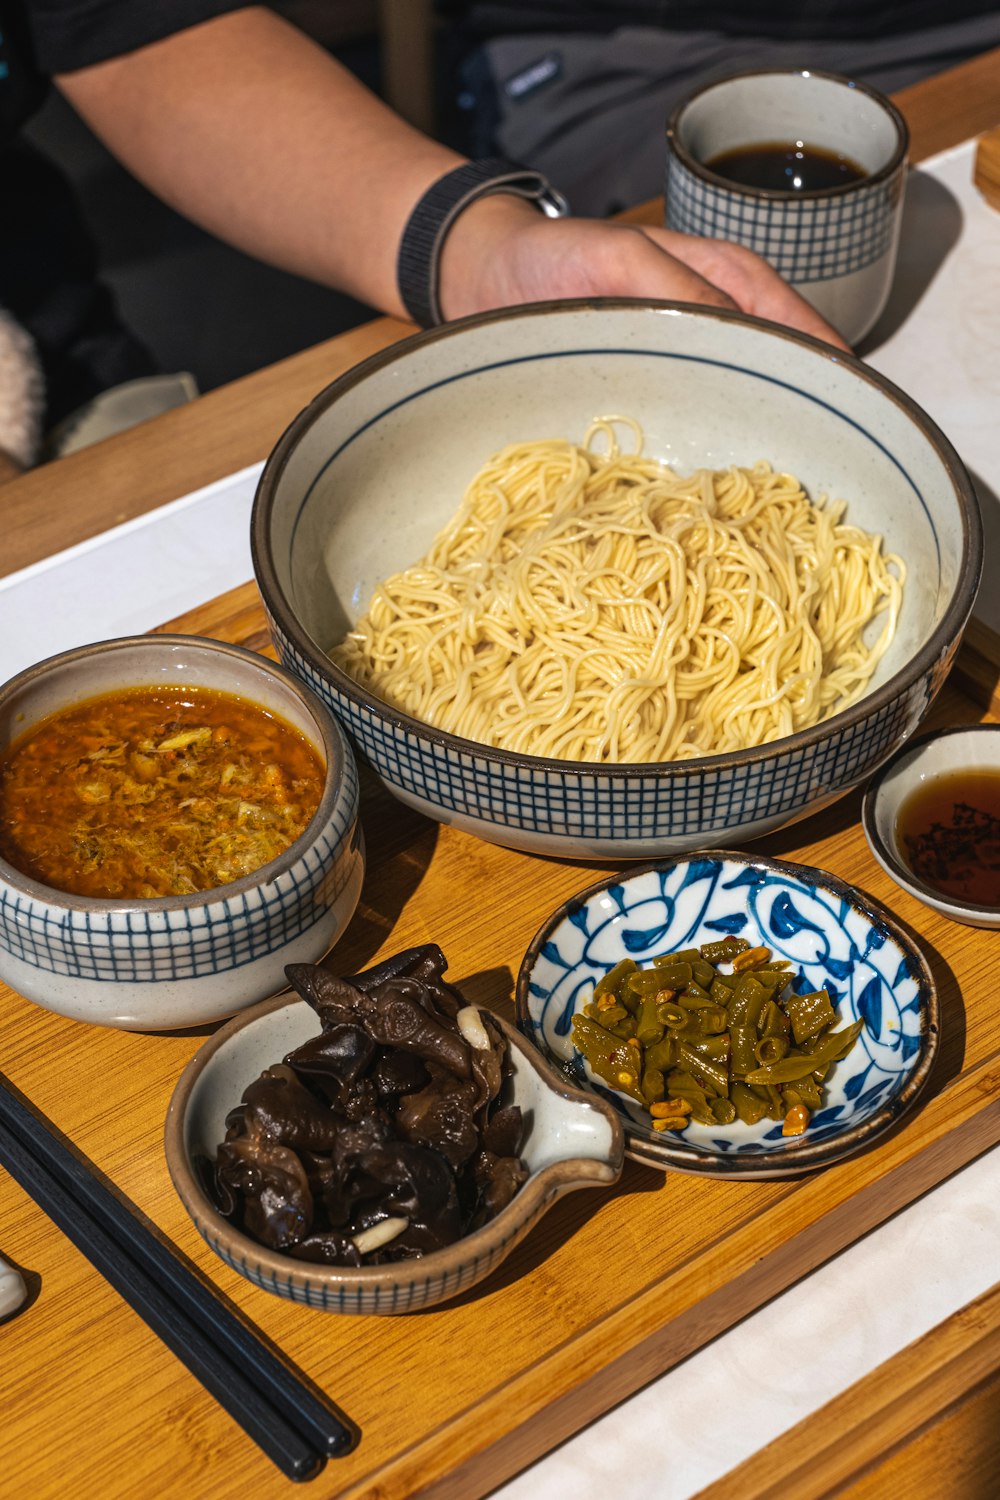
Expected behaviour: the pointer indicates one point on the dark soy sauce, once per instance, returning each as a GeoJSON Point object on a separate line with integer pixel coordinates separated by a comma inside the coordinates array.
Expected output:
{"type": "Point", "coordinates": [793, 167]}
{"type": "Point", "coordinates": [948, 831]}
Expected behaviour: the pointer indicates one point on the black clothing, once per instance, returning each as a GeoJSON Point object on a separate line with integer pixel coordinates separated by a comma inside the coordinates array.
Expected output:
{"type": "Point", "coordinates": [781, 20]}
{"type": "Point", "coordinates": [48, 262]}
{"type": "Point", "coordinates": [49, 283]}
{"type": "Point", "coordinates": [583, 92]}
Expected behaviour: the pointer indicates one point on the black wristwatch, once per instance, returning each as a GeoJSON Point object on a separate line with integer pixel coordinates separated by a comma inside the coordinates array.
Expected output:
{"type": "Point", "coordinates": [418, 265]}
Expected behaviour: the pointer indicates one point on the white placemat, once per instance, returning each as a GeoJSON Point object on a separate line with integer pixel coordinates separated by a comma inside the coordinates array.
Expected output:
{"type": "Point", "coordinates": [939, 338]}
{"type": "Point", "coordinates": [130, 578]}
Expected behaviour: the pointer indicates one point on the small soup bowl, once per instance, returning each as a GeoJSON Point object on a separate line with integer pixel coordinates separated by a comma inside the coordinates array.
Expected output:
{"type": "Point", "coordinates": [967, 750]}
{"type": "Point", "coordinates": [176, 961]}
{"type": "Point", "coordinates": [834, 938]}
{"type": "Point", "coordinates": [572, 1140]}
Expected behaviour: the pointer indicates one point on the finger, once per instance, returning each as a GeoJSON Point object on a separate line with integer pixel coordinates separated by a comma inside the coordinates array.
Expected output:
{"type": "Point", "coordinates": [753, 285]}
{"type": "Point", "coordinates": [626, 261]}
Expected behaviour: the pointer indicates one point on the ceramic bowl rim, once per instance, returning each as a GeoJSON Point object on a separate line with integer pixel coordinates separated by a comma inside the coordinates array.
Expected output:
{"type": "Point", "coordinates": [528, 1204]}
{"type": "Point", "coordinates": [785, 195]}
{"type": "Point", "coordinates": [800, 1154]}
{"type": "Point", "coordinates": [330, 740]}
{"type": "Point", "coordinates": [886, 853]}
{"type": "Point", "coordinates": [944, 635]}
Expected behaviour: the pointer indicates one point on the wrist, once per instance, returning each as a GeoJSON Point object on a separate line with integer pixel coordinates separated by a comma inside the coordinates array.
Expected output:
{"type": "Point", "coordinates": [474, 269]}
{"type": "Point", "coordinates": [443, 212]}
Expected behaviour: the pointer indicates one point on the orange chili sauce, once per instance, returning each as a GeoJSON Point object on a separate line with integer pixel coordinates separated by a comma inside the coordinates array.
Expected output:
{"type": "Point", "coordinates": [155, 792]}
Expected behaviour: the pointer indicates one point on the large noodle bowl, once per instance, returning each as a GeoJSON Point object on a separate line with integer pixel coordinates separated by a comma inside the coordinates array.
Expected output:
{"type": "Point", "coordinates": [587, 603]}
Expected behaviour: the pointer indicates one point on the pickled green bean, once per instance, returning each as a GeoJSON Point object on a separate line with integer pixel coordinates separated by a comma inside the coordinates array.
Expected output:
{"type": "Point", "coordinates": [649, 1028]}
{"type": "Point", "coordinates": [725, 950]}
{"type": "Point", "coordinates": [749, 1106]}
{"type": "Point", "coordinates": [809, 1014]}
{"type": "Point", "coordinates": [713, 1077]}
{"type": "Point", "coordinates": [674, 976]}
{"type": "Point", "coordinates": [612, 981]}
{"type": "Point", "coordinates": [645, 982]}
{"type": "Point", "coordinates": [690, 1042]}
{"type": "Point", "coordinates": [663, 1055]}
{"type": "Point", "coordinates": [769, 1049]}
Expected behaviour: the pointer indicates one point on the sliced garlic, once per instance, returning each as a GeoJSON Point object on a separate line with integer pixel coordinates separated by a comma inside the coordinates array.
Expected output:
{"type": "Point", "coordinates": [470, 1024]}
{"type": "Point", "coordinates": [379, 1234]}
{"type": "Point", "coordinates": [12, 1289]}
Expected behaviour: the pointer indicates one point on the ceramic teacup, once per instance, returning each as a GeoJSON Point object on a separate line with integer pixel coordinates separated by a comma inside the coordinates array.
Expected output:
{"type": "Point", "coordinates": [835, 244]}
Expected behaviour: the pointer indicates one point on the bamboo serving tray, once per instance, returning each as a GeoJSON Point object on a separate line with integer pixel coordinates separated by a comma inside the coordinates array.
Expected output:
{"type": "Point", "coordinates": [611, 1289]}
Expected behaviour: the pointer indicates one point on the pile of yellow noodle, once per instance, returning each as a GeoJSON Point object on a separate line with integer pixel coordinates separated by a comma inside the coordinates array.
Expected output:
{"type": "Point", "coordinates": [592, 605]}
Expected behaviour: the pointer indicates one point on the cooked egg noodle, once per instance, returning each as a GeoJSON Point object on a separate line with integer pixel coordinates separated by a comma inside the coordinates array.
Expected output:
{"type": "Point", "coordinates": [587, 603]}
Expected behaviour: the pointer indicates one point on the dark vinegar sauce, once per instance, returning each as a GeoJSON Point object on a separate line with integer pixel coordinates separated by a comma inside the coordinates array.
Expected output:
{"type": "Point", "coordinates": [792, 167]}
{"type": "Point", "coordinates": [949, 833]}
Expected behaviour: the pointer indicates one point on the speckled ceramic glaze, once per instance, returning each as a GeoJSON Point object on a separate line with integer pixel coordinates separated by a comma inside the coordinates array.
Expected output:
{"type": "Point", "coordinates": [573, 1141]}
{"type": "Point", "coordinates": [835, 940]}
{"type": "Point", "coordinates": [181, 960]}
{"type": "Point", "coordinates": [970, 747]}
{"type": "Point", "coordinates": [837, 246]}
{"type": "Point", "coordinates": [365, 477]}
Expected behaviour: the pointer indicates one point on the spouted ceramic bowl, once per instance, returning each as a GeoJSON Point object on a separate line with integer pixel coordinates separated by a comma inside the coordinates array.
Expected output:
{"type": "Point", "coordinates": [177, 961]}
{"type": "Point", "coordinates": [834, 938]}
{"type": "Point", "coordinates": [573, 1140]}
{"type": "Point", "coordinates": [369, 473]}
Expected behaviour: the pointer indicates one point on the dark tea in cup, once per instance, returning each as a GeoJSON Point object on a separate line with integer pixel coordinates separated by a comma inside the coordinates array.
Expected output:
{"type": "Point", "coordinates": [791, 167]}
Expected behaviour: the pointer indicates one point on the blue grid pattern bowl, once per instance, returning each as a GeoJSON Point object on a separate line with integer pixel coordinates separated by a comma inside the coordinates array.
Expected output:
{"type": "Point", "coordinates": [181, 960]}
{"type": "Point", "coordinates": [835, 940]}
{"type": "Point", "coordinates": [573, 1140]}
{"type": "Point", "coordinates": [365, 477]}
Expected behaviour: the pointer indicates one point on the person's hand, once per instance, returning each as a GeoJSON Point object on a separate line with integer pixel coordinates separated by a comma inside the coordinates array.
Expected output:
{"type": "Point", "coordinates": [501, 251]}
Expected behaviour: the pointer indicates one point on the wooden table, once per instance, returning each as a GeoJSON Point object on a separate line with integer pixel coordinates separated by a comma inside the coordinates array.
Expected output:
{"type": "Point", "coordinates": [94, 1403]}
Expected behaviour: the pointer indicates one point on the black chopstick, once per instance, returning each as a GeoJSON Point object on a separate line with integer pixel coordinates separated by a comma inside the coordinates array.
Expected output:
{"type": "Point", "coordinates": [295, 1424]}
{"type": "Point", "coordinates": [282, 1443]}
{"type": "Point", "coordinates": [306, 1408]}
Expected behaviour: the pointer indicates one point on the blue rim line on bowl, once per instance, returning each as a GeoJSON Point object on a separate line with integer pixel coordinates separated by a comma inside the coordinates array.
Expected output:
{"type": "Point", "coordinates": [835, 937]}
{"type": "Point", "coordinates": [666, 354]}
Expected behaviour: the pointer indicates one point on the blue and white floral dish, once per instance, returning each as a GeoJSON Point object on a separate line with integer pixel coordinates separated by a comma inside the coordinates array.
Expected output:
{"type": "Point", "coordinates": [178, 961]}
{"type": "Point", "coordinates": [376, 465]}
{"type": "Point", "coordinates": [835, 939]}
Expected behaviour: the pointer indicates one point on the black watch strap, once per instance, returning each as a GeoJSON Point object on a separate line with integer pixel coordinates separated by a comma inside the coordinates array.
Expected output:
{"type": "Point", "coordinates": [418, 265]}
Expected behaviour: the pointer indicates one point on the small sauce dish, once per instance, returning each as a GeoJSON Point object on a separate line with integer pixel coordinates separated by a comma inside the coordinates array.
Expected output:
{"type": "Point", "coordinates": [931, 816]}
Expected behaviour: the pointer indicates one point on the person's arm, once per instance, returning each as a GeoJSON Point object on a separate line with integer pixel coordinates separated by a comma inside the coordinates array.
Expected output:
{"type": "Point", "coordinates": [253, 131]}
